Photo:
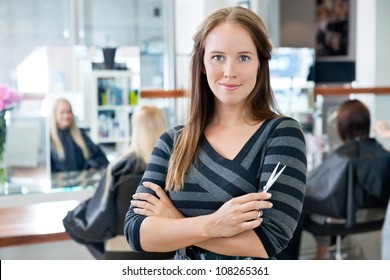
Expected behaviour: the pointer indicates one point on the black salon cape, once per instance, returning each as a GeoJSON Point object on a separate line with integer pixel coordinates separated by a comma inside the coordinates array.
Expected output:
{"type": "Point", "coordinates": [74, 160]}
{"type": "Point", "coordinates": [356, 175]}
{"type": "Point", "coordinates": [94, 220]}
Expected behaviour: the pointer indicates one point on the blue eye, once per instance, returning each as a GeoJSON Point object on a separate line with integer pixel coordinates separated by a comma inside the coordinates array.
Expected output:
{"type": "Point", "coordinates": [218, 58]}
{"type": "Point", "coordinates": [243, 58]}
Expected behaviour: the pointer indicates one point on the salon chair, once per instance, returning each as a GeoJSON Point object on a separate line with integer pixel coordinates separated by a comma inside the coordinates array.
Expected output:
{"type": "Point", "coordinates": [367, 220]}
{"type": "Point", "coordinates": [117, 248]}
{"type": "Point", "coordinates": [360, 200]}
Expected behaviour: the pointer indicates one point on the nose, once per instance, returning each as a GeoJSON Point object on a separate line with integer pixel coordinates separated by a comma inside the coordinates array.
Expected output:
{"type": "Point", "coordinates": [229, 71]}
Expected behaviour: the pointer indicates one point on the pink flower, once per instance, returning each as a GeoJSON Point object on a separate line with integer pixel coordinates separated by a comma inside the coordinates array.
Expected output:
{"type": "Point", "coordinates": [8, 97]}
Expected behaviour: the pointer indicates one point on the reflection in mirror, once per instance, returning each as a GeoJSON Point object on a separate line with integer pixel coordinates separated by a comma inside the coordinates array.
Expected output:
{"type": "Point", "coordinates": [71, 149]}
{"type": "Point", "coordinates": [28, 144]}
{"type": "Point", "coordinates": [47, 53]}
{"type": "Point", "coordinates": [46, 73]}
{"type": "Point", "coordinates": [28, 155]}
{"type": "Point", "coordinates": [75, 179]}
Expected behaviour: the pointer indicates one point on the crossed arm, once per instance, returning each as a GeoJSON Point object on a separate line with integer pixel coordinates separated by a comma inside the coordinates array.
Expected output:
{"type": "Point", "coordinates": [228, 231]}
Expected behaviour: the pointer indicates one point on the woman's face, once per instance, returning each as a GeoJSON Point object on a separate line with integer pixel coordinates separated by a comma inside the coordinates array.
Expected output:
{"type": "Point", "coordinates": [64, 115]}
{"type": "Point", "coordinates": [231, 63]}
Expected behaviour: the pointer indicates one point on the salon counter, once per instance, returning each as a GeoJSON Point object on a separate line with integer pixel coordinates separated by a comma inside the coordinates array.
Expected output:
{"type": "Point", "coordinates": [77, 186]}
{"type": "Point", "coordinates": [34, 223]}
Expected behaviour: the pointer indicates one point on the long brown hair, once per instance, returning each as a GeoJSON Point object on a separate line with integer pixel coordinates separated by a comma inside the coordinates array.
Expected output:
{"type": "Point", "coordinates": [260, 103]}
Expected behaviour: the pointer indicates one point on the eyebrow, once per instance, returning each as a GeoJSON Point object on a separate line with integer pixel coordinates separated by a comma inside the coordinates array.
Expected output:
{"type": "Point", "coordinates": [221, 52]}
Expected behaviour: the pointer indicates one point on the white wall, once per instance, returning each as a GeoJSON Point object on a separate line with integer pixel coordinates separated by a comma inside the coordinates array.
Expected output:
{"type": "Point", "coordinates": [372, 55]}
{"type": "Point", "coordinates": [382, 61]}
{"type": "Point", "coordinates": [365, 40]}
{"type": "Point", "coordinates": [373, 40]}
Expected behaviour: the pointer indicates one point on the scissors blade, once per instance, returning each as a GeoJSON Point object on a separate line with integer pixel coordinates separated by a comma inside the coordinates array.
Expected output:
{"type": "Point", "coordinates": [272, 179]}
{"type": "Point", "coordinates": [273, 173]}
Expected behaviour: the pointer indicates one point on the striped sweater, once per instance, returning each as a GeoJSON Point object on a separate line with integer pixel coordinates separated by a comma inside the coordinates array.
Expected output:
{"type": "Point", "coordinates": [213, 180]}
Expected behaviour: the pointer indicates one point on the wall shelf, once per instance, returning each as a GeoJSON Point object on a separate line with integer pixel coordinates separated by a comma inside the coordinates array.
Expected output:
{"type": "Point", "coordinates": [111, 97]}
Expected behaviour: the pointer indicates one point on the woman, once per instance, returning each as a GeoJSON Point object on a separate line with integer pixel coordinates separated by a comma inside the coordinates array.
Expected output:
{"type": "Point", "coordinates": [71, 149]}
{"type": "Point", "coordinates": [214, 168]}
{"type": "Point", "coordinates": [94, 221]}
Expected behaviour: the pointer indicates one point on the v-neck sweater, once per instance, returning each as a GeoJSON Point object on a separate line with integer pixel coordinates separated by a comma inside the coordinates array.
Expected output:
{"type": "Point", "coordinates": [213, 180]}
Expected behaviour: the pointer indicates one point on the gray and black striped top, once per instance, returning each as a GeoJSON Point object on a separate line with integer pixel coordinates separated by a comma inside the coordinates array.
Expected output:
{"type": "Point", "coordinates": [213, 180]}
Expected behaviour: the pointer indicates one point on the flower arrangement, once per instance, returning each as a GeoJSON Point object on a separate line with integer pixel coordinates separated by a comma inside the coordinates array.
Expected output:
{"type": "Point", "coordinates": [8, 99]}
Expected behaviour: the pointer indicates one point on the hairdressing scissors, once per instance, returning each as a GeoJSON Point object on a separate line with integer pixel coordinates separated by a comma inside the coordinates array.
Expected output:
{"type": "Point", "coordinates": [273, 177]}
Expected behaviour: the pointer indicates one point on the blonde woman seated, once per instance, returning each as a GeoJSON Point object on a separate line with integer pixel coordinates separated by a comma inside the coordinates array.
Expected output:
{"type": "Point", "coordinates": [95, 220]}
{"type": "Point", "coordinates": [70, 147]}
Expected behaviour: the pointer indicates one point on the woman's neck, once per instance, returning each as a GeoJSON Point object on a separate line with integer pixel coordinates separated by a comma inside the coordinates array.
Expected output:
{"type": "Point", "coordinates": [229, 116]}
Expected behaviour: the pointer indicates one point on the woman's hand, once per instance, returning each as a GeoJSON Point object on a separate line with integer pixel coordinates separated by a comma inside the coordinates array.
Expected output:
{"type": "Point", "coordinates": [239, 214]}
{"type": "Point", "coordinates": [148, 205]}
{"type": "Point", "coordinates": [381, 128]}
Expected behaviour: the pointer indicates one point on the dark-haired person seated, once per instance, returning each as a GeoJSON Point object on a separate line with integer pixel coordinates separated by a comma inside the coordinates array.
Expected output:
{"type": "Point", "coordinates": [327, 190]}
{"type": "Point", "coordinates": [70, 147]}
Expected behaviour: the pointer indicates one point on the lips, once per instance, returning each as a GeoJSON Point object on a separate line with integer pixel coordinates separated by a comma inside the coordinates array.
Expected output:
{"type": "Point", "coordinates": [230, 86]}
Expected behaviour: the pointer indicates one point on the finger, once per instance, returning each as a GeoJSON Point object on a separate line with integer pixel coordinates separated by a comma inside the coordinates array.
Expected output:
{"type": "Point", "coordinates": [247, 197]}
{"type": "Point", "coordinates": [156, 188]}
{"type": "Point", "coordinates": [252, 197]}
{"type": "Point", "coordinates": [254, 223]}
{"type": "Point", "coordinates": [143, 212]}
{"type": "Point", "coordinates": [147, 197]}
{"type": "Point", "coordinates": [265, 195]}
{"type": "Point", "coordinates": [265, 205]}
{"type": "Point", "coordinates": [142, 204]}
{"type": "Point", "coordinates": [249, 216]}
{"type": "Point", "coordinates": [255, 205]}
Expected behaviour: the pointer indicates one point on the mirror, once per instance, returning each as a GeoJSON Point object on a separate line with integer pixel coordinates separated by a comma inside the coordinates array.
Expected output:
{"type": "Point", "coordinates": [47, 51]}
{"type": "Point", "coordinates": [26, 152]}
{"type": "Point", "coordinates": [75, 78]}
